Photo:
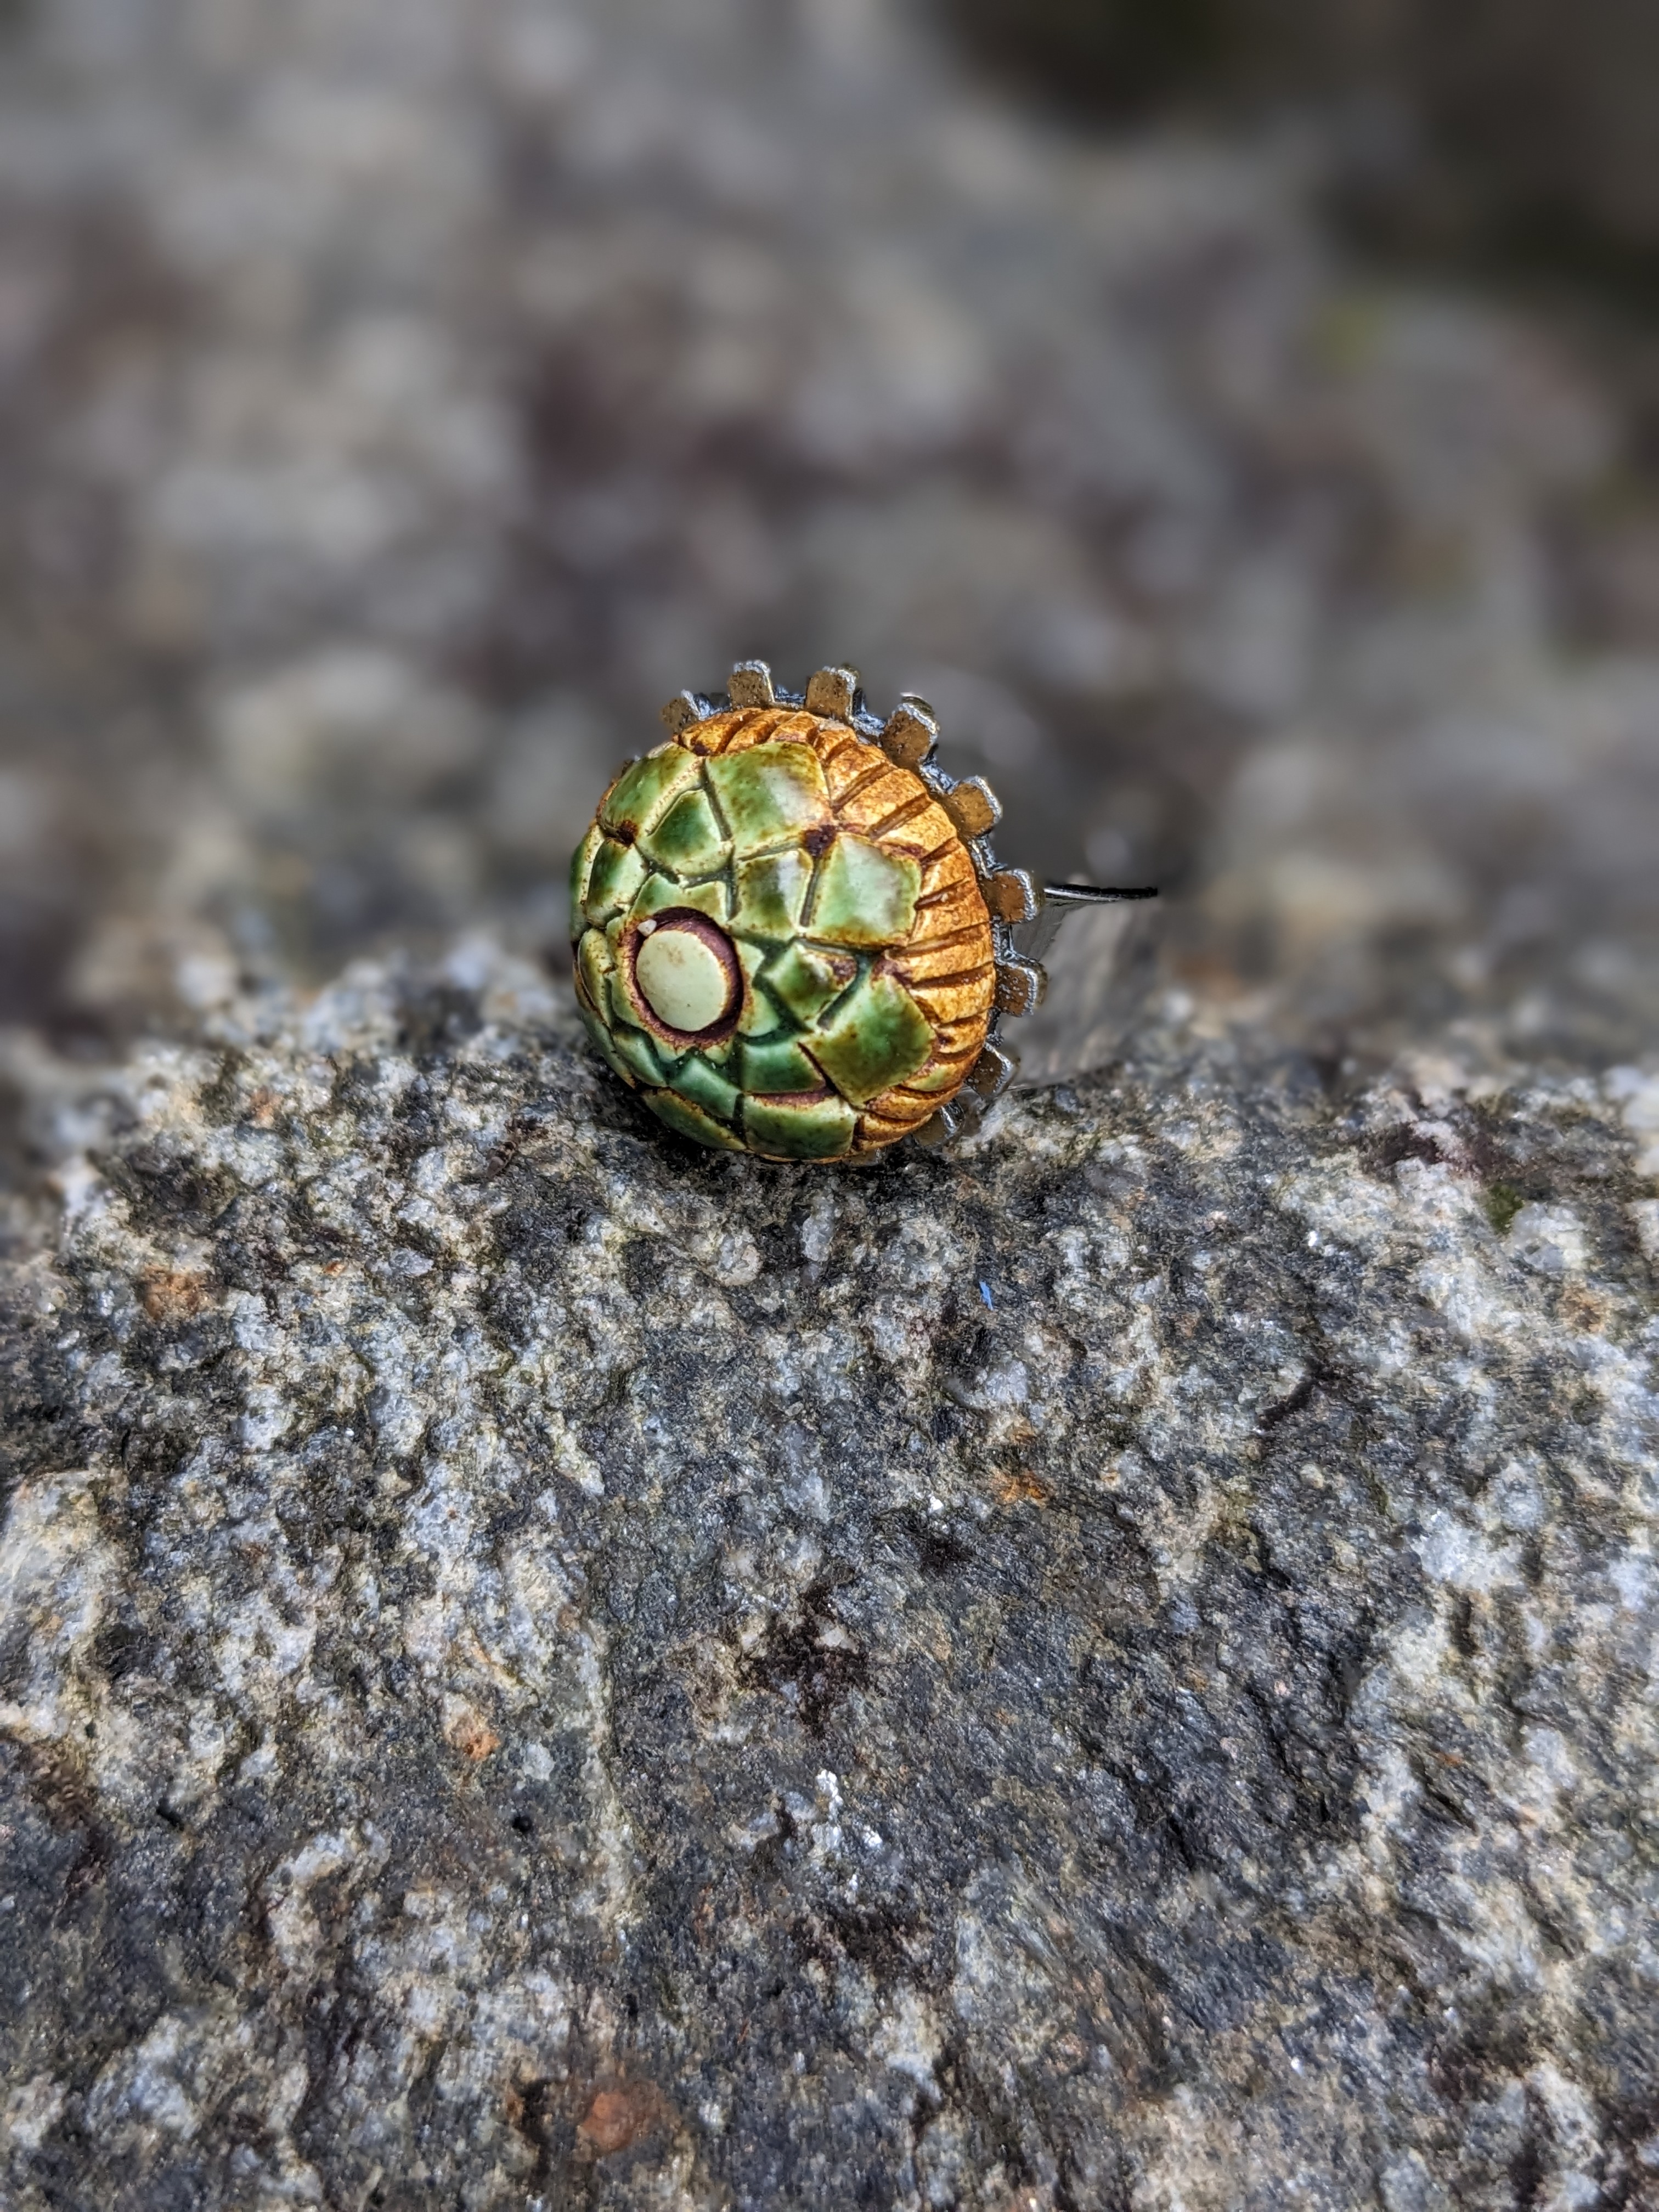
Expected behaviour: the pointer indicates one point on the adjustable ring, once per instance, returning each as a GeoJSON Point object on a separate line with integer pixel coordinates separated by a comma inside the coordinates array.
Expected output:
{"type": "Point", "coordinates": [792, 936]}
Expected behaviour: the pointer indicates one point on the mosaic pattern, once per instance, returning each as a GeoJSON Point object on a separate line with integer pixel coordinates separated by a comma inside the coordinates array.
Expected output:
{"type": "Point", "coordinates": [781, 937]}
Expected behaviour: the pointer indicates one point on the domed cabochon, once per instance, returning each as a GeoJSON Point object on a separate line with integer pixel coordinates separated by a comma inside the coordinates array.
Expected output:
{"type": "Point", "coordinates": [781, 938]}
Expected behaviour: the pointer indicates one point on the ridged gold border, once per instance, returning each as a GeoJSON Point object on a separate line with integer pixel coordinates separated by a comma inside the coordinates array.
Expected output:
{"type": "Point", "coordinates": [948, 962]}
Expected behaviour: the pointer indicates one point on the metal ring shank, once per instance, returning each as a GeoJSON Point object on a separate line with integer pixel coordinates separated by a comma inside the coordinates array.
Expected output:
{"type": "Point", "coordinates": [1059, 900]}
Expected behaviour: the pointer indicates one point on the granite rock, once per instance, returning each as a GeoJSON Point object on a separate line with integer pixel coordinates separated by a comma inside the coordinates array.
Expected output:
{"type": "Point", "coordinates": [540, 1666]}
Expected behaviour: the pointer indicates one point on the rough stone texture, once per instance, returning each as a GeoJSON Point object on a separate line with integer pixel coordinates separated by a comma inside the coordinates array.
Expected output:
{"type": "Point", "coordinates": [540, 1666]}
{"type": "Point", "coordinates": [622, 1678]}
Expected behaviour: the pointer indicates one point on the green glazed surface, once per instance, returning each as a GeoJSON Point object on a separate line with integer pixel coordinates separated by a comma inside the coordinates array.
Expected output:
{"type": "Point", "coordinates": [749, 840]}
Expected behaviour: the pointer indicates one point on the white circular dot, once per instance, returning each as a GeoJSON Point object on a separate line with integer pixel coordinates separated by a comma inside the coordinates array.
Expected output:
{"type": "Point", "coordinates": [683, 979]}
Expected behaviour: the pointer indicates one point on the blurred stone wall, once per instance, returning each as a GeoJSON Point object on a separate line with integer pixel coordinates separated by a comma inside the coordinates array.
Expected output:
{"type": "Point", "coordinates": [1534, 120]}
{"type": "Point", "coordinates": [1548, 114]}
{"type": "Point", "coordinates": [397, 403]}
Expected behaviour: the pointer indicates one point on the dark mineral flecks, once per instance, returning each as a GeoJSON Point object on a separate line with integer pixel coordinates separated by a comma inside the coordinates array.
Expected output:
{"type": "Point", "coordinates": [538, 1664]}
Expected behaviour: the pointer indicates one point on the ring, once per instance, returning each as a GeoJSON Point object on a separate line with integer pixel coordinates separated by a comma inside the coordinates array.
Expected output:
{"type": "Point", "coordinates": [791, 934]}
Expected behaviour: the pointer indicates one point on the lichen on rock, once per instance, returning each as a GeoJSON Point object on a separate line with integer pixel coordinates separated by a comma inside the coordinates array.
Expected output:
{"type": "Point", "coordinates": [540, 1665]}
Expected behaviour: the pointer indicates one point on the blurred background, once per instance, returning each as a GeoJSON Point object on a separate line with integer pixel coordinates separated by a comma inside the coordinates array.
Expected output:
{"type": "Point", "coordinates": [1240, 417]}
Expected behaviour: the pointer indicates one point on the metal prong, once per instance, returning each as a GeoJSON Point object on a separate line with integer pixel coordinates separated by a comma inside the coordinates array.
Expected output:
{"type": "Point", "coordinates": [682, 710]}
{"type": "Point", "coordinates": [1093, 893]}
{"type": "Point", "coordinates": [956, 1118]}
{"type": "Point", "coordinates": [1058, 900]}
{"type": "Point", "coordinates": [911, 732]}
{"type": "Point", "coordinates": [751, 684]}
{"type": "Point", "coordinates": [832, 692]}
{"type": "Point", "coordinates": [1012, 895]}
{"type": "Point", "coordinates": [993, 1072]}
{"type": "Point", "coordinates": [939, 1128]}
{"type": "Point", "coordinates": [973, 807]}
{"type": "Point", "coordinates": [1021, 984]}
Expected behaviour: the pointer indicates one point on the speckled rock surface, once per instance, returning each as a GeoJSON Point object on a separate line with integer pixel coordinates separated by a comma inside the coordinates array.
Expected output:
{"type": "Point", "coordinates": [541, 1668]}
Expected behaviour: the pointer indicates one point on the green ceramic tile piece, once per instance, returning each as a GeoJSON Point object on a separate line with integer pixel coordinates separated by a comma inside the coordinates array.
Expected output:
{"type": "Point", "coordinates": [659, 893]}
{"type": "Point", "coordinates": [691, 1121]}
{"type": "Point", "coordinates": [614, 878]}
{"type": "Point", "coordinates": [807, 982]}
{"type": "Point", "coordinates": [697, 1081]}
{"type": "Point", "coordinates": [771, 891]}
{"type": "Point", "coordinates": [593, 959]}
{"type": "Point", "coordinates": [607, 1051]}
{"type": "Point", "coordinates": [620, 1004]}
{"type": "Point", "coordinates": [636, 1051]}
{"type": "Point", "coordinates": [821, 1131]}
{"type": "Point", "coordinates": [770, 792]}
{"type": "Point", "coordinates": [687, 840]}
{"type": "Point", "coordinates": [640, 793]}
{"type": "Point", "coordinates": [761, 1011]}
{"type": "Point", "coordinates": [581, 865]}
{"type": "Point", "coordinates": [863, 896]}
{"type": "Point", "coordinates": [779, 1063]}
{"type": "Point", "coordinates": [877, 1035]}
{"type": "Point", "coordinates": [751, 958]}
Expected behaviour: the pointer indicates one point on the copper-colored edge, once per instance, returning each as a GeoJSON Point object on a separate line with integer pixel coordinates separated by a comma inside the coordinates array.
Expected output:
{"type": "Point", "coordinates": [952, 912]}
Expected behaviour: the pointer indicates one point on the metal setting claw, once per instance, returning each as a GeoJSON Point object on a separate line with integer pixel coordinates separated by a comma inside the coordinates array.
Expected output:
{"type": "Point", "coordinates": [1055, 901]}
